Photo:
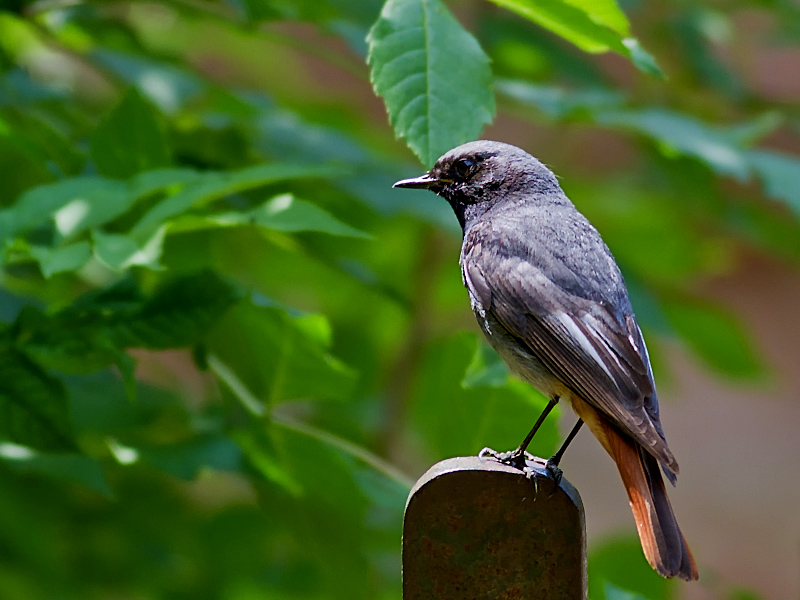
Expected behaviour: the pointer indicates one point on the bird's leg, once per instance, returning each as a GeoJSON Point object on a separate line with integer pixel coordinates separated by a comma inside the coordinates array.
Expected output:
{"type": "Point", "coordinates": [552, 464]}
{"type": "Point", "coordinates": [517, 457]}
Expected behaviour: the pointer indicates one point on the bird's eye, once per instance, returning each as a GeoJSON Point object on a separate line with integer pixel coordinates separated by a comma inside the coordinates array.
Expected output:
{"type": "Point", "coordinates": [463, 167]}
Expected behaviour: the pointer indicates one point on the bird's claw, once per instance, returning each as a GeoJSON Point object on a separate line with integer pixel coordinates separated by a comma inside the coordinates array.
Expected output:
{"type": "Point", "coordinates": [554, 472]}
{"type": "Point", "coordinates": [515, 458]}
{"type": "Point", "coordinates": [490, 453]}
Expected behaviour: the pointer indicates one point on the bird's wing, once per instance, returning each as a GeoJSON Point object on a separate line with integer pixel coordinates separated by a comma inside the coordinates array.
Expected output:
{"type": "Point", "coordinates": [597, 355]}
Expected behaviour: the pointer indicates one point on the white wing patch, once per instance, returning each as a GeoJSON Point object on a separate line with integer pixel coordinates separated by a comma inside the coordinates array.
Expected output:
{"type": "Point", "coordinates": [584, 342]}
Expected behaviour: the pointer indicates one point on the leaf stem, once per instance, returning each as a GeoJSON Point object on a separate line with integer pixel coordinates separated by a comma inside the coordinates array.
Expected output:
{"type": "Point", "coordinates": [347, 446]}
{"type": "Point", "coordinates": [250, 403]}
{"type": "Point", "coordinates": [257, 408]}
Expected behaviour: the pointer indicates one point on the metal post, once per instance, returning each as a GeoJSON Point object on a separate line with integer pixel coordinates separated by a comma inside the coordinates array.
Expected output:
{"type": "Point", "coordinates": [478, 529]}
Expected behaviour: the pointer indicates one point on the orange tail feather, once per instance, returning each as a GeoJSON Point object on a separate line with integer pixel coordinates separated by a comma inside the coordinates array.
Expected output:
{"type": "Point", "coordinates": [662, 541]}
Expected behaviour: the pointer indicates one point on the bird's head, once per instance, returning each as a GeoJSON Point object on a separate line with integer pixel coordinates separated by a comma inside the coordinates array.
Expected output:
{"type": "Point", "coordinates": [474, 176]}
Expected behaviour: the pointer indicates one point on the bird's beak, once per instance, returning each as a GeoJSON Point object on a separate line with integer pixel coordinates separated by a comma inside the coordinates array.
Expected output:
{"type": "Point", "coordinates": [424, 182]}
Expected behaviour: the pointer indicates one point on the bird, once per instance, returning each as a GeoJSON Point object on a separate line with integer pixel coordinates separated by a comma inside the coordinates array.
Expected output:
{"type": "Point", "coordinates": [551, 300]}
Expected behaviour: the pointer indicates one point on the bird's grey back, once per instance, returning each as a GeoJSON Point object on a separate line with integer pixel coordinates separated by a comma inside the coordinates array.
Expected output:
{"type": "Point", "coordinates": [581, 264]}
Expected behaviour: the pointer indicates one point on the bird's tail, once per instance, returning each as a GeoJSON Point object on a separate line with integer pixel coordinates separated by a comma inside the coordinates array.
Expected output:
{"type": "Point", "coordinates": [662, 541]}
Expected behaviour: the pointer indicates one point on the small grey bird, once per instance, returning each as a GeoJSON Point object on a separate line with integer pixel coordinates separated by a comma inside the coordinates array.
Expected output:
{"type": "Point", "coordinates": [551, 300]}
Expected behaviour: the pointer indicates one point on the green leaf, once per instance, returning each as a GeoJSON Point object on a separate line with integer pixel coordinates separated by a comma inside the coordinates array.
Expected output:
{"type": "Point", "coordinates": [459, 421]}
{"type": "Point", "coordinates": [593, 26]}
{"type": "Point", "coordinates": [640, 57]}
{"type": "Point", "coordinates": [130, 139]}
{"type": "Point", "coordinates": [432, 74]}
{"type": "Point", "coordinates": [236, 387]}
{"type": "Point", "coordinates": [281, 213]}
{"type": "Point", "coordinates": [557, 102]}
{"type": "Point", "coordinates": [679, 134]}
{"type": "Point", "coordinates": [211, 186]}
{"type": "Point", "coordinates": [286, 213]}
{"type": "Point", "coordinates": [588, 25]}
{"type": "Point", "coordinates": [748, 133]}
{"type": "Point", "coordinates": [62, 258]}
{"type": "Point", "coordinates": [75, 204]}
{"type": "Point", "coordinates": [780, 174]}
{"type": "Point", "coordinates": [276, 358]}
{"type": "Point", "coordinates": [163, 84]}
{"type": "Point", "coordinates": [93, 332]}
{"type": "Point", "coordinates": [33, 405]}
{"type": "Point", "coordinates": [99, 204]}
{"type": "Point", "coordinates": [67, 342]}
{"type": "Point", "coordinates": [80, 203]}
{"type": "Point", "coordinates": [179, 314]}
{"type": "Point", "coordinates": [716, 336]}
{"type": "Point", "coordinates": [149, 182]}
{"type": "Point", "coordinates": [72, 468]}
{"type": "Point", "coordinates": [120, 251]}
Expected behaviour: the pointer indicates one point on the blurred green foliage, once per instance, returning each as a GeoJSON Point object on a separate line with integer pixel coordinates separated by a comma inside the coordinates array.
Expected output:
{"type": "Point", "coordinates": [228, 346]}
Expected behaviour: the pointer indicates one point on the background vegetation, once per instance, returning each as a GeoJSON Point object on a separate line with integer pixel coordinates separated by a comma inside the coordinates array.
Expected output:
{"type": "Point", "coordinates": [228, 347]}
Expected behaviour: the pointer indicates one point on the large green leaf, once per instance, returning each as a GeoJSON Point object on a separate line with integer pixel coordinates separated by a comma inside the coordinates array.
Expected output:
{"type": "Point", "coordinates": [560, 103]}
{"type": "Point", "coordinates": [62, 258]}
{"type": "Point", "coordinates": [211, 186]}
{"type": "Point", "coordinates": [281, 213]}
{"type": "Point", "coordinates": [66, 342]}
{"type": "Point", "coordinates": [149, 182]}
{"type": "Point", "coordinates": [593, 26]}
{"type": "Point", "coordinates": [167, 86]}
{"type": "Point", "coordinates": [286, 213]}
{"type": "Point", "coordinates": [432, 74]}
{"type": "Point", "coordinates": [679, 134]}
{"type": "Point", "coordinates": [33, 405]}
{"type": "Point", "coordinates": [722, 148]}
{"type": "Point", "coordinates": [78, 204]}
{"type": "Point", "coordinates": [179, 314]}
{"type": "Point", "coordinates": [130, 139]}
{"type": "Point", "coordinates": [120, 251]}
{"type": "Point", "coordinates": [92, 333]}
{"type": "Point", "coordinates": [74, 204]}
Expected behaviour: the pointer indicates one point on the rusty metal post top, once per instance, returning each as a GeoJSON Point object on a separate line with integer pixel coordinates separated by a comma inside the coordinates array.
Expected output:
{"type": "Point", "coordinates": [476, 528]}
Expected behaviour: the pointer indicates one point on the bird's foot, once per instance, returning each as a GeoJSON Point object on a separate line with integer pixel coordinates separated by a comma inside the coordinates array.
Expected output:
{"type": "Point", "coordinates": [555, 473]}
{"type": "Point", "coordinates": [515, 458]}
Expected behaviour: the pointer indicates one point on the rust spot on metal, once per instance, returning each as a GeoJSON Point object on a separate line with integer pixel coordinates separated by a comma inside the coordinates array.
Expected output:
{"type": "Point", "coordinates": [454, 522]}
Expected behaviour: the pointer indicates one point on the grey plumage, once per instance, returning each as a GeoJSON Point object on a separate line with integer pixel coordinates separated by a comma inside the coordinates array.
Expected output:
{"type": "Point", "coordinates": [551, 300]}
{"type": "Point", "coordinates": [543, 283]}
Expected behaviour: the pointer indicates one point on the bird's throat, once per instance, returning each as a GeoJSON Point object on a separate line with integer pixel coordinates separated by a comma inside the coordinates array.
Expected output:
{"type": "Point", "coordinates": [467, 212]}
